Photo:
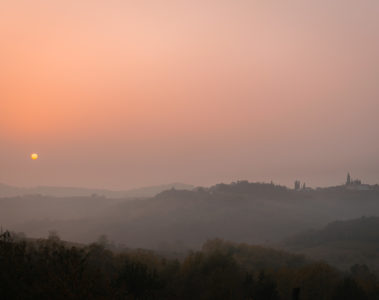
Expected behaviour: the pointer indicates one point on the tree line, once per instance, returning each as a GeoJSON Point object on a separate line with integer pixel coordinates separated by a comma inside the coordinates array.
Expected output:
{"type": "Point", "coordinates": [54, 269]}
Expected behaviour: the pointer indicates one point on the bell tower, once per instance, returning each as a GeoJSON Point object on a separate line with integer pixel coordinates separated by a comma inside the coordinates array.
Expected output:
{"type": "Point", "coordinates": [348, 179]}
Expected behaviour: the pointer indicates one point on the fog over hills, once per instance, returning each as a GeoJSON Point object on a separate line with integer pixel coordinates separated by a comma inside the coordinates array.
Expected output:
{"type": "Point", "coordinates": [259, 213]}
{"type": "Point", "coordinates": [55, 191]}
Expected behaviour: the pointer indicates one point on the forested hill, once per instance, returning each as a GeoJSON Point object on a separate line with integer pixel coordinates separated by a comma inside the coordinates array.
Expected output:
{"type": "Point", "coordinates": [365, 229]}
{"type": "Point", "coordinates": [182, 219]}
{"type": "Point", "coordinates": [341, 243]}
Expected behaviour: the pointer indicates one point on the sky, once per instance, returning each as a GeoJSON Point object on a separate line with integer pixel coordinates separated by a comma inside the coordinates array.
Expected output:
{"type": "Point", "coordinates": [121, 94]}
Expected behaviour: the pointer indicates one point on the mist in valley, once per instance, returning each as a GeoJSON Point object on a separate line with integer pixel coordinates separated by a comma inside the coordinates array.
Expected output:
{"type": "Point", "coordinates": [181, 220]}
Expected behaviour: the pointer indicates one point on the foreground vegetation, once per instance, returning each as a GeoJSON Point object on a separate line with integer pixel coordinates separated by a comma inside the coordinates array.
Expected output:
{"type": "Point", "coordinates": [52, 269]}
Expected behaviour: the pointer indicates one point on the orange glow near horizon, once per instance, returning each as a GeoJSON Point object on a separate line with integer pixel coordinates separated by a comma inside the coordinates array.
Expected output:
{"type": "Point", "coordinates": [253, 86]}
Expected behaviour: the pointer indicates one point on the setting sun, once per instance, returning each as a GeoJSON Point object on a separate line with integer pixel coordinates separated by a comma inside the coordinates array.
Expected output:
{"type": "Point", "coordinates": [34, 156]}
{"type": "Point", "coordinates": [204, 149]}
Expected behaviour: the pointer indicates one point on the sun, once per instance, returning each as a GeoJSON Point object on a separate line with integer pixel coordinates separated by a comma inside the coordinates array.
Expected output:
{"type": "Point", "coordinates": [34, 156]}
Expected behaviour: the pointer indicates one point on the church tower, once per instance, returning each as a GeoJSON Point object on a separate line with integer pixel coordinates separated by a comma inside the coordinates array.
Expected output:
{"type": "Point", "coordinates": [348, 179]}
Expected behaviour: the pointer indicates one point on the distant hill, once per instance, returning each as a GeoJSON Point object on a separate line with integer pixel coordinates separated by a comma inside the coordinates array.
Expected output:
{"type": "Point", "coordinates": [244, 212]}
{"type": "Point", "coordinates": [149, 191]}
{"type": "Point", "coordinates": [341, 243]}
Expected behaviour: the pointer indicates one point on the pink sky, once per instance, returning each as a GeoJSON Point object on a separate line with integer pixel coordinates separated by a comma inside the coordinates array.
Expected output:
{"type": "Point", "coordinates": [119, 94]}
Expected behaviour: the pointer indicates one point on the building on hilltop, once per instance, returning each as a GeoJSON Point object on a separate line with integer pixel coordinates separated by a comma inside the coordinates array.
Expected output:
{"type": "Point", "coordinates": [356, 184]}
{"type": "Point", "coordinates": [348, 179]}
